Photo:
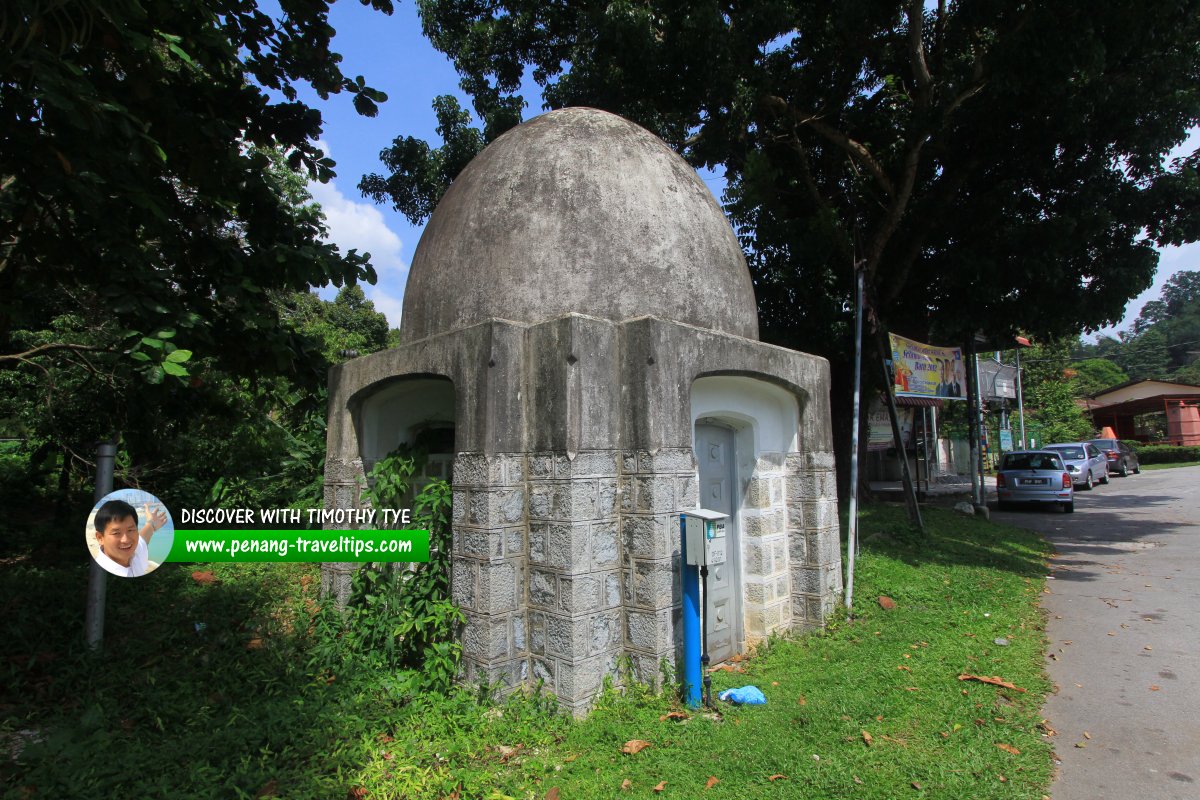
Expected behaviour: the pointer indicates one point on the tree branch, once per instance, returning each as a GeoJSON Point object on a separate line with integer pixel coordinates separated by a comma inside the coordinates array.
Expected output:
{"type": "Point", "coordinates": [856, 149]}
{"type": "Point", "coordinates": [916, 48]}
{"type": "Point", "coordinates": [45, 348]}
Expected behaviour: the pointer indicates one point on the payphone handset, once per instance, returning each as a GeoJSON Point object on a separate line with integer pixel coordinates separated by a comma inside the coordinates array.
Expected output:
{"type": "Point", "coordinates": [706, 539]}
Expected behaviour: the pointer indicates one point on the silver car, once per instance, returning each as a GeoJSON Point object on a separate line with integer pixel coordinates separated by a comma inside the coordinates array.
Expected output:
{"type": "Point", "coordinates": [1034, 476]}
{"type": "Point", "coordinates": [1084, 461]}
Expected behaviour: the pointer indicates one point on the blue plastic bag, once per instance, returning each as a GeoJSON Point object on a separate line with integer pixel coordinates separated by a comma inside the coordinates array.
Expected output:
{"type": "Point", "coordinates": [745, 696]}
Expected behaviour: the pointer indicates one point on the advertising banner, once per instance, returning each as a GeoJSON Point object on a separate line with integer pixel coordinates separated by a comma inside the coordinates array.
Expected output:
{"type": "Point", "coordinates": [922, 370]}
{"type": "Point", "coordinates": [880, 426]}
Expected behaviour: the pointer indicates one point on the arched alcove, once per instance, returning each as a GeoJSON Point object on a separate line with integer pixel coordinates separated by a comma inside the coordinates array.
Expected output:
{"type": "Point", "coordinates": [416, 411]}
{"type": "Point", "coordinates": [743, 430]}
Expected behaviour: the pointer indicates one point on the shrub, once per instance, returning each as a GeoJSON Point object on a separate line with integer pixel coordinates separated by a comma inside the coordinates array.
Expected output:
{"type": "Point", "coordinates": [1166, 454]}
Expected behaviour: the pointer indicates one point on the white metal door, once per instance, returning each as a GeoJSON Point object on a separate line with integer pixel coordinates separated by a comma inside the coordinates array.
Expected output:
{"type": "Point", "coordinates": [715, 455]}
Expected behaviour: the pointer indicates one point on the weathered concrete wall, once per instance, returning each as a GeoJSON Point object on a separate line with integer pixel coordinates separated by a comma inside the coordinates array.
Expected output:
{"type": "Point", "coordinates": [574, 441]}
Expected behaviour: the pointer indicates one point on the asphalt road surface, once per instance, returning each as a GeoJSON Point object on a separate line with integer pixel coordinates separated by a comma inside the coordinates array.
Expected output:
{"type": "Point", "coordinates": [1123, 620]}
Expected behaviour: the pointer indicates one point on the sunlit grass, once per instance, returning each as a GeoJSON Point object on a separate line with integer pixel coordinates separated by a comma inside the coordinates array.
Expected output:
{"type": "Point", "coordinates": [873, 708]}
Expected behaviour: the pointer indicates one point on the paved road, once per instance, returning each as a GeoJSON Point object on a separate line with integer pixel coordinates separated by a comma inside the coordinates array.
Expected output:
{"type": "Point", "coordinates": [1124, 629]}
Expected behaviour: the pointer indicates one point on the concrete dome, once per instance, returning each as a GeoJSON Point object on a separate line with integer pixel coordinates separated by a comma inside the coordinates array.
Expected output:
{"type": "Point", "coordinates": [578, 210]}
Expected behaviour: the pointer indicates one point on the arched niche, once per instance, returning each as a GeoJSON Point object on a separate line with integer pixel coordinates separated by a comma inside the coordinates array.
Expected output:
{"type": "Point", "coordinates": [418, 411]}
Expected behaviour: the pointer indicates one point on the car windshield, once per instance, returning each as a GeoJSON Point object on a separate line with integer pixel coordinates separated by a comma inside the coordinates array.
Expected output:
{"type": "Point", "coordinates": [1106, 444]}
{"type": "Point", "coordinates": [1032, 461]}
{"type": "Point", "coordinates": [1070, 452]}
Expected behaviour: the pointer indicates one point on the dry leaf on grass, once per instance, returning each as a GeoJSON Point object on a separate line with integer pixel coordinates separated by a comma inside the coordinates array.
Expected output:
{"type": "Point", "coordinates": [552, 794]}
{"type": "Point", "coordinates": [254, 644]}
{"type": "Point", "coordinates": [712, 781]}
{"type": "Point", "coordinates": [801, 701]}
{"type": "Point", "coordinates": [993, 680]}
{"type": "Point", "coordinates": [915, 785]}
{"type": "Point", "coordinates": [634, 746]}
{"type": "Point", "coordinates": [570, 758]}
{"type": "Point", "coordinates": [886, 603]}
{"type": "Point", "coordinates": [269, 789]}
{"type": "Point", "coordinates": [661, 786]}
{"type": "Point", "coordinates": [675, 716]}
{"type": "Point", "coordinates": [1008, 748]}
{"type": "Point", "coordinates": [626, 785]}
{"type": "Point", "coordinates": [867, 739]}
{"type": "Point", "coordinates": [507, 752]}
{"type": "Point", "coordinates": [777, 777]}
{"type": "Point", "coordinates": [724, 668]}
{"type": "Point", "coordinates": [207, 577]}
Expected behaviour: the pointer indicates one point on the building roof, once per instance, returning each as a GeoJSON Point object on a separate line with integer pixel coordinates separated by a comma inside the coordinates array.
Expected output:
{"type": "Point", "coordinates": [1141, 397]}
{"type": "Point", "coordinates": [581, 211]}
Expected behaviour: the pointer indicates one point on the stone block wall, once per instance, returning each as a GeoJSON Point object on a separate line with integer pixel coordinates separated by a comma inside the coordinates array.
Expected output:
{"type": "Point", "coordinates": [344, 480]}
{"type": "Point", "coordinates": [814, 542]}
{"type": "Point", "coordinates": [766, 592]}
{"type": "Point", "coordinates": [654, 486]}
{"type": "Point", "coordinates": [489, 565]}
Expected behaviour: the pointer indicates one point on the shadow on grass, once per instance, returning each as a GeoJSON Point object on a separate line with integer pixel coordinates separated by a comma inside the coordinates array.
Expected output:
{"type": "Point", "coordinates": [200, 689]}
{"type": "Point", "coordinates": [951, 539]}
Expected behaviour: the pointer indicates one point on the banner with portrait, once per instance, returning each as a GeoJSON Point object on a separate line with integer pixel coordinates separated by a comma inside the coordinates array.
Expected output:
{"type": "Point", "coordinates": [922, 370]}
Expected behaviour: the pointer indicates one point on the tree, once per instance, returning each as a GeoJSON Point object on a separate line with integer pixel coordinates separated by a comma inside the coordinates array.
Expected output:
{"type": "Point", "coordinates": [1094, 375]}
{"type": "Point", "coordinates": [137, 194]}
{"type": "Point", "coordinates": [990, 165]}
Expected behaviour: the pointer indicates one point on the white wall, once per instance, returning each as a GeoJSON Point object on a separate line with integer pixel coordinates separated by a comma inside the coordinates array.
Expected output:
{"type": "Point", "coordinates": [772, 412]}
{"type": "Point", "coordinates": [390, 415]}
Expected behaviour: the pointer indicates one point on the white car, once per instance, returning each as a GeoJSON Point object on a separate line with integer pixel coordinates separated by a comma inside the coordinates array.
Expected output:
{"type": "Point", "coordinates": [1086, 462]}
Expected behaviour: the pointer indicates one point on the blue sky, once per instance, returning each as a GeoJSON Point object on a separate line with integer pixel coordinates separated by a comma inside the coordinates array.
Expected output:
{"type": "Point", "coordinates": [394, 56]}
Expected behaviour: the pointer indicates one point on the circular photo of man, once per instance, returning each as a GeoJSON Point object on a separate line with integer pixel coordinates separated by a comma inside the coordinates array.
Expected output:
{"type": "Point", "coordinates": [129, 533]}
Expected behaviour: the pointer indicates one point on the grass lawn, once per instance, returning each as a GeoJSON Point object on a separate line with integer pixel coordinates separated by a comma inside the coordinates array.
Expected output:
{"type": "Point", "coordinates": [1171, 466]}
{"type": "Point", "coordinates": [244, 707]}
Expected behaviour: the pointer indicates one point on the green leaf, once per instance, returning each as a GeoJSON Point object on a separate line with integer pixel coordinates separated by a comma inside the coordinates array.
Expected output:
{"type": "Point", "coordinates": [171, 368]}
{"type": "Point", "coordinates": [178, 356]}
{"type": "Point", "coordinates": [152, 342]}
{"type": "Point", "coordinates": [179, 51]}
{"type": "Point", "coordinates": [138, 355]}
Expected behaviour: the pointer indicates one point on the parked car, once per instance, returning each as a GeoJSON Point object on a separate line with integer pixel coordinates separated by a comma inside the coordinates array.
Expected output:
{"type": "Point", "coordinates": [1087, 463]}
{"type": "Point", "coordinates": [1035, 476]}
{"type": "Point", "coordinates": [1121, 458]}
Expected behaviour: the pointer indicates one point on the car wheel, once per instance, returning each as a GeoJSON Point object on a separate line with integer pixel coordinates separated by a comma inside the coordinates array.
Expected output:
{"type": "Point", "coordinates": [1069, 508]}
{"type": "Point", "coordinates": [1137, 470]}
{"type": "Point", "coordinates": [1124, 470]}
{"type": "Point", "coordinates": [1104, 477]}
{"type": "Point", "coordinates": [1089, 483]}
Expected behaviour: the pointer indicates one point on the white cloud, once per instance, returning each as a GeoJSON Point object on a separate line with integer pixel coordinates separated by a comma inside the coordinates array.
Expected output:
{"type": "Point", "coordinates": [361, 226]}
{"type": "Point", "coordinates": [390, 305]}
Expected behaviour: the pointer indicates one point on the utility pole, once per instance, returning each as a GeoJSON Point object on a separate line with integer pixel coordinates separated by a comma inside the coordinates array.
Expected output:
{"type": "Point", "coordinates": [852, 529]}
{"type": "Point", "coordinates": [97, 577]}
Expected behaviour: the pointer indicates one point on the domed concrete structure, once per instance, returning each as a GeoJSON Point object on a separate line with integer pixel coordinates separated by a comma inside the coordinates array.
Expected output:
{"type": "Point", "coordinates": [579, 351]}
{"type": "Point", "coordinates": [557, 214]}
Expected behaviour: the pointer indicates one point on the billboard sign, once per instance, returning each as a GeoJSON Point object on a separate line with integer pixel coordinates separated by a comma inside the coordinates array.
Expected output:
{"type": "Point", "coordinates": [922, 370]}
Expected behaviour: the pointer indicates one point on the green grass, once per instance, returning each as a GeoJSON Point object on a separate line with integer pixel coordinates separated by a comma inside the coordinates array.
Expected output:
{"type": "Point", "coordinates": [1171, 466]}
{"type": "Point", "coordinates": [238, 708]}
